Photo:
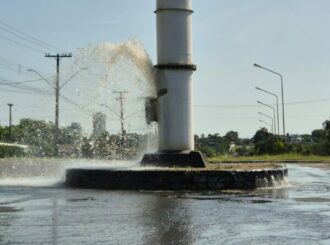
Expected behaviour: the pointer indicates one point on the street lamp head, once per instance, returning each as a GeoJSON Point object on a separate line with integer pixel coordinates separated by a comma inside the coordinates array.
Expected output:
{"type": "Point", "coordinates": [29, 70]}
{"type": "Point", "coordinates": [258, 88]}
{"type": "Point", "coordinates": [259, 102]}
{"type": "Point", "coordinates": [256, 65]}
{"type": "Point", "coordinates": [10, 104]}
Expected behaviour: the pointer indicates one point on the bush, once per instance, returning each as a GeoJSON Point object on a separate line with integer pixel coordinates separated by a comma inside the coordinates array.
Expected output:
{"type": "Point", "coordinates": [208, 151]}
{"type": "Point", "coordinates": [278, 147]}
{"type": "Point", "coordinates": [11, 151]}
{"type": "Point", "coordinates": [321, 149]}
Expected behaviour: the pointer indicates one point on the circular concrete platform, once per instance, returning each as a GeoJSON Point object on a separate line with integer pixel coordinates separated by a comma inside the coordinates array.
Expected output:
{"type": "Point", "coordinates": [174, 179]}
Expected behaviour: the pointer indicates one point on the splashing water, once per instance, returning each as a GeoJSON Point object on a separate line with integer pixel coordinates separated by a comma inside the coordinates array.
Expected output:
{"type": "Point", "coordinates": [124, 66]}
{"type": "Point", "coordinates": [48, 172]}
{"type": "Point", "coordinates": [113, 67]}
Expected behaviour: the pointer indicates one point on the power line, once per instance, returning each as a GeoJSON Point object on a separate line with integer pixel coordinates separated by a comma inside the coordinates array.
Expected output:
{"type": "Point", "coordinates": [23, 92]}
{"type": "Point", "coordinates": [28, 81]}
{"type": "Point", "coordinates": [75, 104]}
{"type": "Point", "coordinates": [307, 101]}
{"type": "Point", "coordinates": [19, 86]}
{"type": "Point", "coordinates": [256, 106]}
{"type": "Point", "coordinates": [26, 39]}
{"type": "Point", "coordinates": [27, 36]}
{"type": "Point", "coordinates": [21, 44]}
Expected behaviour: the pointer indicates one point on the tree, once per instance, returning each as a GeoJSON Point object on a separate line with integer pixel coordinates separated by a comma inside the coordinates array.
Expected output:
{"type": "Point", "coordinates": [86, 148]}
{"type": "Point", "coordinates": [103, 146]}
{"type": "Point", "coordinates": [39, 135]}
{"type": "Point", "coordinates": [231, 136]}
{"type": "Point", "coordinates": [318, 135]}
{"type": "Point", "coordinates": [326, 127]}
{"type": "Point", "coordinates": [266, 143]}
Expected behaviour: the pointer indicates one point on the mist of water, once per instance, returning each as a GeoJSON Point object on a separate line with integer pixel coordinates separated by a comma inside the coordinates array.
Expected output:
{"type": "Point", "coordinates": [49, 172]}
{"type": "Point", "coordinates": [112, 67]}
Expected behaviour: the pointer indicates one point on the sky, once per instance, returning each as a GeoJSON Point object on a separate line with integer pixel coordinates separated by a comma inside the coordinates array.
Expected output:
{"type": "Point", "coordinates": [290, 37]}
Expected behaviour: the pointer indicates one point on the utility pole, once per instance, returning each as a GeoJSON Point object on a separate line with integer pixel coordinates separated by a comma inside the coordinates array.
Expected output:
{"type": "Point", "coordinates": [57, 94]}
{"type": "Point", "coordinates": [10, 106]}
{"type": "Point", "coordinates": [121, 98]}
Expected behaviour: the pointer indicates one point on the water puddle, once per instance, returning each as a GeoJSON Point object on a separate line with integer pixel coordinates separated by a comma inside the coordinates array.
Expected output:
{"type": "Point", "coordinates": [7, 209]}
{"type": "Point", "coordinates": [312, 199]}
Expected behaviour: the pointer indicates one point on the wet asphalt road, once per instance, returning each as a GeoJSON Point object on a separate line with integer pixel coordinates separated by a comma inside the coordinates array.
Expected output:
{"type": "Point", "coordinates": [43, 211]}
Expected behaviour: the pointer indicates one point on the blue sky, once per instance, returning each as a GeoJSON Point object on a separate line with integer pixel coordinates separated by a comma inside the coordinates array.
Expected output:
{"type": "Point", "coordinates": [288, 36]}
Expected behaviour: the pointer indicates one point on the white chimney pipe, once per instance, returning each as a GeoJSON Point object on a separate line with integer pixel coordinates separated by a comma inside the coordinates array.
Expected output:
{"type": "Point", "coordinates": [174, 75]}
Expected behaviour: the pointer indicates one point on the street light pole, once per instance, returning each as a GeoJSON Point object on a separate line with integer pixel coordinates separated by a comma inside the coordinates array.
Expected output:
{"type": "Point", "coordinates": [278, 119]}
{"type": "Point", "coordinates": [10, 106]}
{"type": "Point", "coordinates": [282, 92]}
{"type": "Point", "coordinates": [272, 120]}
{"type": "Point", "coordinates": [269, 106]}
{"type": "Point", "coordinates": [267, 124]}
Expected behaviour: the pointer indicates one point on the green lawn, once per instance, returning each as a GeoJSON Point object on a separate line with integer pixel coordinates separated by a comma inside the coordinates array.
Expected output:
{"type": "Point", "coordinates": [271, 158]}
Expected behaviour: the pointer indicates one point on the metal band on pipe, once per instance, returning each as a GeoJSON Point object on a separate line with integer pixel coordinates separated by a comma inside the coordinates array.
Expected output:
{"type": "Point", "coordinates": [173, 9]}
{"type": "Point", "coordinates": [176, 67]}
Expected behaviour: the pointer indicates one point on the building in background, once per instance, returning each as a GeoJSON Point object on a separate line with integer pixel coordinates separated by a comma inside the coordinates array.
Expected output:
{"type": "Point", "coordinates": [76, 127]}
{"type": "Point", "coordinates": [99, 123]}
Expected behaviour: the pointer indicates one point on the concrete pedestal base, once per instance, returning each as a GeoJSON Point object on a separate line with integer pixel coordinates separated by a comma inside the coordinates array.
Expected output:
{"type": "Point", "coordinates": [173, 179]}
{"type": "Point", "coordinates": [193, 159]}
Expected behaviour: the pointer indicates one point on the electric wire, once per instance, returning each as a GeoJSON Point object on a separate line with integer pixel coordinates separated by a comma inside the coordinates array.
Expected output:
{"type": "Point", "coordinates": [24, 92]}
{"type": "Point", "coordinates": [21, 44]}
{"type": "Point", "coordinates": [23, 38]}
{"type": "Point", "coordinates": [18, 68]}
{"type": "Point", "coordinates": [20, 86]}
{"type": "Point", "coordinates": [256, 106]}
{"type": "Point", "coordinates": [29, 37]}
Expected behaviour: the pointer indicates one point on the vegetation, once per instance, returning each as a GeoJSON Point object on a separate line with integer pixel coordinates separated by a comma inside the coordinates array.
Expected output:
{"type": "Point", "coordinates": [11, 151]}
{"type": "Point", "coordinates": [270, 158]}
{"type": "Point", "coordinates": [266, 146]}
{"type": "Point", "coordinates": [36, 138]}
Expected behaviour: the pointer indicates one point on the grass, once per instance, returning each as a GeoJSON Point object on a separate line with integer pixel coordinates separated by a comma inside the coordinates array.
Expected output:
{"type": "Point", "coordinates": [243, 166]}
{"type": "Point", "coordinates": [271, 158]}
{"type": "Point", "coordinates": [227, 166]}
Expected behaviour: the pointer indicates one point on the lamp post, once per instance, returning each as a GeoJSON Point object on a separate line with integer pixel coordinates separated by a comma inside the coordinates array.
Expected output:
{"type": "Point", "coordinates": [272, 120]}
{"type": "Point", "coordinates": [282, 92]}
{"type": "Point", "coordinates": [10, 106]}
{"type": "Point", "coordinates": [57, 89]}
{"type": "Point", "coordinates": [278, 120]}
{"type": "Point", "coordinates": [269, 106]}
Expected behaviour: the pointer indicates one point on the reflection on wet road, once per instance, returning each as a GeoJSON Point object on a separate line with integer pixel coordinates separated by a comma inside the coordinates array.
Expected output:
{"type": "Point", "coordinates": [298, 213]}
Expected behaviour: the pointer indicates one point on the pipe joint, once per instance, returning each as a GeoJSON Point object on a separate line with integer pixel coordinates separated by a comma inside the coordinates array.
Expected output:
{"type": "Point", "coordinates": [173, 9]}
{"type": "Point", "coordinates": [176, 66]}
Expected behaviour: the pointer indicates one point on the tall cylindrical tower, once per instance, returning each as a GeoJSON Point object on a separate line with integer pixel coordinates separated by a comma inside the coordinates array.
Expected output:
{"type": "Point", "coordinates": [174, 85]}
{"type": "Point", "coordinates": [174, 75]}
